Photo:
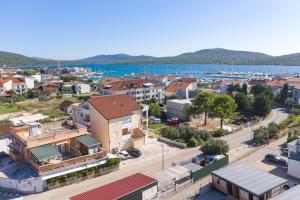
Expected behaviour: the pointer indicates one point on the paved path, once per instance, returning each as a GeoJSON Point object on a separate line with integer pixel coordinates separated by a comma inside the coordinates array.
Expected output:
{"type": "Point", "coordinates": [152, 166]}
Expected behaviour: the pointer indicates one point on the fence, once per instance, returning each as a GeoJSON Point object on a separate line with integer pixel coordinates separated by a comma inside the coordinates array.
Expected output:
{"type": "Point", "coordinates": [209, 168]}
{"type": "Point", "coordinates": [173, 142]}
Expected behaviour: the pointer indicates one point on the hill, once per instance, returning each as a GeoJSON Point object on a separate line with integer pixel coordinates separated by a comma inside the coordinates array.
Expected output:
{"type": "Point", "coordinates": [13, 59]}
{"type": "Point", "coordinates": [205, 56]}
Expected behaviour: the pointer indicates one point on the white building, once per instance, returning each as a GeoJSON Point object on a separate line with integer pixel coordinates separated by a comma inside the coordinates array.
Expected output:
{"type": "Point", "coordinates": [178, 108]}
{"type": "Point", "coordinates": [140, 89]}
{"type": "Point", "coordinates": [294, 158]}
{"type": "Point", "coordinates": [81, 88]}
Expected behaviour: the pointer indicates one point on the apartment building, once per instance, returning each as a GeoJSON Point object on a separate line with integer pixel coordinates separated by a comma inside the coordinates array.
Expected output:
{"type": "Point", "coordinates": [158, 79]}
{"type": "Point", "coordinates": [138, 88]}
{"type": "Point", "coordinates": [54, 147]}
{"type": "Point", "coordinates": [117, 121]}
{"type": "Point", "coordinates": [184, 87]}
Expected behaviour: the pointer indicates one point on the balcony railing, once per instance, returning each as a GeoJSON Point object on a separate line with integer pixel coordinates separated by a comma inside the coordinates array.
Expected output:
{"type": "Point", "coordinates": [69, 162]}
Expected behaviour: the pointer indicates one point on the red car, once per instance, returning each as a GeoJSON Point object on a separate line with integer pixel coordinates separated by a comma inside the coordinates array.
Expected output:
{"type": "Point", "coordinates": [173, 121]}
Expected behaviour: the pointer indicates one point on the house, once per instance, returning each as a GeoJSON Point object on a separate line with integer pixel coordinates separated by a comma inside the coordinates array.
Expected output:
{"type": "Point", "coordinates": [158, 79]}
{"type": "Point", "coordinates": [222, 86]}
{"type": "Point", "coordinates": [117, 121]}
{"type": "Point", "coordinates": [80, 113]}
{"type": "Point", "coordinates": [244, 182]}
{"type": "Point", "coordinates": [65, 106]}
{"type": "Point", "coordinates": [54, 147]}
{"type": "Point", "coordinates": [136, 186]}
{"type": "Point", "coordinates": [81, 88]}
{"type": "Point", "coordinates": [138, 88]}
{"type": "Point", "coordinates": [294, 158]}
{"type": "Point", "coordinates": [178, 108]}
{"type": "Point", "coordinates": [291, 194]}
{"type": "Point", "coordinates": [49, 89]}
{"type": "Point", "coordinates": [182, 87]}
{"type": "Point", "coordinates": [296, 92]}
{"type": "Point", "coordinates": [276, 86]}
{"type": "Point", "coordinates": [110, 80]}
{"type": "Point", "coordinates": [5, 85]}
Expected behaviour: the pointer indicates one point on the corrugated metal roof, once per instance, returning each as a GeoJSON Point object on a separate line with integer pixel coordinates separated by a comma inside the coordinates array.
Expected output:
{"type": "Point", "coordinates": [44, 152]}
{"type": "Point", "coordinates": [249, 178]}
{"type": "Point", "coordinates": [87, 140]}
{"type": "Point", "coordinates": [291, 194]}
{"type": "Point", "coordinates": [117, 189]}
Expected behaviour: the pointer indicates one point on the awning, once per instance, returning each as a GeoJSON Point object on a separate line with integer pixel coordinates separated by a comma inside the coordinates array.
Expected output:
{"type": "Point", "coordinates": [87, 140]}
{"type": "Point", "coordinates": [44, 152]}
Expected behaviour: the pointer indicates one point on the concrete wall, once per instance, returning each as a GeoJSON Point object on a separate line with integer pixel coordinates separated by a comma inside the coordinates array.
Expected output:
{"type": "Point", "coordinates": [294, 168]}
{"type": "Point", "coordinates": [33, 185]}
{"type": "Point", "coordinates": [219, 184]}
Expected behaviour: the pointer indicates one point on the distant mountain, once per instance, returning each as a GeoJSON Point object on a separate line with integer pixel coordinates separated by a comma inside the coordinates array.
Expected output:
{"type": "Point", "coordinates": [116, 58]}
{"type": "Point", "coordinates": [13, 59]}
{"type": "Point", "coordinates": [205, 56]}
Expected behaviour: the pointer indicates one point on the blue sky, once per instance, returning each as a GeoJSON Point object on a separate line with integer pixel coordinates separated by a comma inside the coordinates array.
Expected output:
{"type": "Point", "coordinates": [71, 29]}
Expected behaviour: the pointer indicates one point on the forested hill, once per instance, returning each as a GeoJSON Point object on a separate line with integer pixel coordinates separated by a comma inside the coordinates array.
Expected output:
{"type": "Point", "coordinates": [205, 56]}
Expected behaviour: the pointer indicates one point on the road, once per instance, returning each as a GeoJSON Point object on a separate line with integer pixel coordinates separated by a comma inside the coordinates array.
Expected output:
{"type": "Point", "coordinates": [151, 166]}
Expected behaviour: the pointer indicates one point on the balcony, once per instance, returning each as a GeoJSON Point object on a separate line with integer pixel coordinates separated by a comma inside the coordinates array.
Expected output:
{"type": "Point", "coordinates": [69, 162]}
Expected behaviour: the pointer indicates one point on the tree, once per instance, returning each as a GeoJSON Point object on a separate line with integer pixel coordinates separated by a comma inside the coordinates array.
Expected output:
{"type": "Point", "coordinates": [154, 110]}
{"type": "Point", "coordinates": [261, 136]}
{"type": "Point", "coordinates": [262, 105]}
{"type": "Point", "coordinates": [257, 89]}
{"type": "Point", "coordinates": [273, 130]}
{"type": "Point", "coordinates": [234, 87]}
{"type": "Point", "coordinates": [289, 102]}
{"type": "Point", "coordinates": [245, 88]}
{"type": "Point", "coordinates": [244, 103]}
{"type": "Point", "coordinates": [215, 147]}
{"type": "Point", "coordinates": [224, 107]}
{"type": "Point", "coordinates": [284, 93]}
{"type": "Point", "coordinates": [32, 93]}
{"type": "Point", "coordinates": [202, 104]}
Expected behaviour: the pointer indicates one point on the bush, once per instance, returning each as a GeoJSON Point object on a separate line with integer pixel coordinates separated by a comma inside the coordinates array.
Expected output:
{"type": "Point", "coordinates": [273, 130]}
{"type": "Point", "coordinates": [193, 142]}
{"type": "Point", "coordinates": [292, 138]}
{"type": "Point", "coordinates": [215, 147]}
{"type": "Point", "coordinates": [261, 136]}
{"type": "Point", "coordinates": [220, 133]}
{"type": "Point", "coordinates": [171, 133]}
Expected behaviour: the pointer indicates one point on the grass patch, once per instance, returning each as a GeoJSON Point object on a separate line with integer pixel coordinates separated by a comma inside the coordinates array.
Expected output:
{"type": "Point", "coordinates": [6, 108]}
{"type": "Point", "coordinates": [157, 127]}
{"type": "Point", "coordinates": [52, 112]}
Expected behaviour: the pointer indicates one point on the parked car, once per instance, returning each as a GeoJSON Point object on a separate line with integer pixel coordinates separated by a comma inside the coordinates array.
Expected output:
{"type": "Point", "coordinates": [124, 155]}
{"type": "Point", "coordinates": [276, 159]}
{"type": "Point", "coordinates": [173, 121]}
{"type": "Point", "coordinates": [134, 152]}
{"type": "Point", "coordinates": [154, 119]}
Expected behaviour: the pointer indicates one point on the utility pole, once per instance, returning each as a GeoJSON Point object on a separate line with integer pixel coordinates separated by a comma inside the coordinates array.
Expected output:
{"type": "Point", "coordinates": [163, 156]}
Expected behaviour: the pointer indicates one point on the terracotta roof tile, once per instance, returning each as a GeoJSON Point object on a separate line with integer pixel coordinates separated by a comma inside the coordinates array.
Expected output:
{"type": "Point", "coordinates": [137, 133]}
{"type": "Point", "coordinates": [117, 189]}
{"type": "Point", "coordinates": [129, 84]}
{"type": "Point", "coordinates": [114, 106]}
{"type": "Point", "coordinates": [173, 87]}
{"type": "Point", "coordinates": [5, 130]}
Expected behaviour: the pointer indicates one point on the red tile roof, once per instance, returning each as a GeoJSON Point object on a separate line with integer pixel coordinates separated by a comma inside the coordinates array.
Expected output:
{"type": "Point", "coordinates": [110, 80]}
{"type": "Point", "coordinates": [3, 81]}
{"type": "Point", "coordinates": [115, 105]}
{"type": "Point", "coordinates": [189, 79]}
{"type": "Point", "coordinates": [173, 87]}
{"type": "Point", "coordinates": [129, 84]}
{"type": "Point", "coordinates": [5, 129]}
{"type": "Point", "coordinates": [275, 83]}
{"type": "Point", "coordinates": [137, 133]}
{"type": "Point", "coordinates": [257, 81]}
{"type": "Point", "coordinates": [117, 189]}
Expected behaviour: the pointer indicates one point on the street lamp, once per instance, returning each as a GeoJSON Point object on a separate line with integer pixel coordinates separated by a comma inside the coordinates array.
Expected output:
{"type": "Point", "coordinates": [163, 156]}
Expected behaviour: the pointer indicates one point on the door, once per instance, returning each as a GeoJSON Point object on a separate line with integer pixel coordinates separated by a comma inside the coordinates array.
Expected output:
{"type": "Point", "coordinates": [61, 148]}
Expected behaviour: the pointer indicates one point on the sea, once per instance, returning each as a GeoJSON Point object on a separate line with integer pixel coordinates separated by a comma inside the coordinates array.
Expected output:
{"type": "Point", "coordinates": [195, 70]}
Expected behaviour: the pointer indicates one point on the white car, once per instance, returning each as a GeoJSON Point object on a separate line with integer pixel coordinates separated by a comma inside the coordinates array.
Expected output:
{"type": "Point", "coordinates": [154, 119]}
{"type": "Point", "coordinates": [124, 155]}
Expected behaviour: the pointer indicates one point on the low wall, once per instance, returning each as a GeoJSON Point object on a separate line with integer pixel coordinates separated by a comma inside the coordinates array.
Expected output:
{"type": "Point", "coordinates": [173, 142]}
{"type": "Point", "coordinates": [209, 168]}
{"type": "Point", "coordinates": [33, 185]}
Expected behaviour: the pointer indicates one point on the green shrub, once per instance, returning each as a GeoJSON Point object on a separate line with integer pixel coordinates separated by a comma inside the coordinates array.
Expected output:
{"type": "Point", "coordinates": [292, 138]}
{"type": "Point", "coordinates": [193, 142]}
{"type": "Point", "coordinates": [220, 133]}
{"type": "Point", "coordinates": [212, 147]}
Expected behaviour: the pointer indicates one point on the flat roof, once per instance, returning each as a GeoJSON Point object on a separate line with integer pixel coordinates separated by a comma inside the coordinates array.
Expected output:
{"type": "Point", "coordinates": [250, 178]}
{"type": "Point", "coordinates": [192, 166]}
{"type": "Point", "coordinates": [291, 194]}
{"type": "Point", "coordinates": [117, 189]}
